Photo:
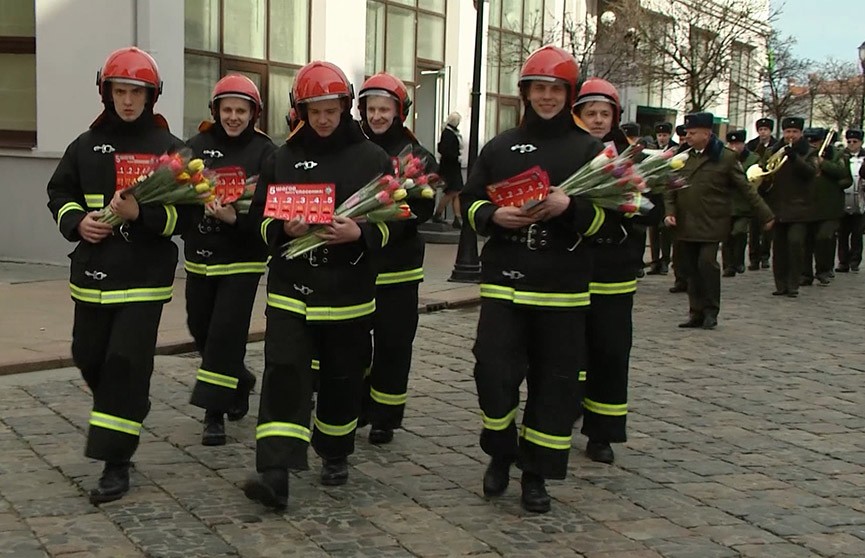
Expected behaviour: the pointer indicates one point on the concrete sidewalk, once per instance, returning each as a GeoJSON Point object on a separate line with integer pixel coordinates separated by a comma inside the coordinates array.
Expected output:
{"type": "Point", "coordinates": [36, 315]}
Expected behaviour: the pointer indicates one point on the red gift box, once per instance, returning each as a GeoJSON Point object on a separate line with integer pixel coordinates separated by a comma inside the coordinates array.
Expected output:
{"type": "Point", "coordinates": [526, 189]}
{"type": "Point", "coordinates": [314, 203]}
{"type": "Point", "coordinates": [230, 183]}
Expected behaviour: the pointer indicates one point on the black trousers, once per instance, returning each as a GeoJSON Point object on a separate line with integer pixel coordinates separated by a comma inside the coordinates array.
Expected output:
{"type": "Point", "coordinates": [514, 343]}
{"type": "Point", "coordinates": [680, 279]}
{"type": "Point", "coordinates": [218, 312]}
{"type": "Point", "coordinates": [733, 248]}
{"type": "Point", "coordinates": [283, 433]}
{"type": "Point", "coordinates": [703, 274]}
{"type": "Point", "coordinates": [850, 232]}
{"type": "Point", "coordinates": [660, 244]}
{"type": "Point", "coordinates": [609, 334]}
{"type": "Point", "coordinates": [820, 243]}
{"type": "Point", "coordinates": [114, 347]}
{"type": "Point", "coordinates": [760, 242]}
{"type": "Point", "coordinates": [394, 327]}
{"type": "Point", "coordinates": [788, 255]}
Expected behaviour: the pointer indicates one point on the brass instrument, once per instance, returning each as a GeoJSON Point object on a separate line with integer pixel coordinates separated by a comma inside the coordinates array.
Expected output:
{"type": "Point", "coordinates": [756, 174]}
{"type": "Point", "coordinates": [829, 135]}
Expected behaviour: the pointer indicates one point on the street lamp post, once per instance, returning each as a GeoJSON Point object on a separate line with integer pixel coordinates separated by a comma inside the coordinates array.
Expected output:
{"type": "Point", "coordinates": [862, 102]}
{"type": "Point", "coordinates": [467, 267]}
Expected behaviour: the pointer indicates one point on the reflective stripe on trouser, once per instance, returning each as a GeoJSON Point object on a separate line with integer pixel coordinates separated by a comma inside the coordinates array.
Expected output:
{"type": "Point", "coordinates": [114, 347]}
{"type": "Point", "coordinates": [540, 346]}
{"type": "Point", "coordinates": [218, 311]}
{"type": "Point", "coordinates": [605, 404]}
{"type": "Point", "coordinates": [532, 298]}
{"type": "Point", "coordinates": [290, 342]}
{"type": "Point", "coordinates": [394, 327]}
{"type": "Point", "coordinates": [124, 296]}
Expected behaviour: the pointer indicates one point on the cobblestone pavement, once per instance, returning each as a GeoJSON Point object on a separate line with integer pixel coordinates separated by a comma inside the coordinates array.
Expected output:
{"type": "Point", "coordinates": [745, 441]}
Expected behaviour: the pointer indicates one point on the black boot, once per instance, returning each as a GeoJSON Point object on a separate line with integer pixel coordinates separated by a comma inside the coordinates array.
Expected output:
{"type": "Point", "coordinates": [497, 477]}
{"type": "Point", "coordinates": [270, 488]}
{"type": "Point", "coordinates": [241, 397]}
{"type": "Point", "coordinates": [665, 268]}
{"type": "Point", "coordinates": [380, 436]}
{"type": "Point", "coordinates": [535, 497]}
{"type": "Point", "coordinates": [214, 429]}
{"type": "Point", "coordinates": [729, 272]}
{"type": "Point", "coordinates": [334, 472]}
{"type": "Point", "coordinates": [693, 322]}
{"type": "Point", "coordinates": [113, 483]}
{"type": "Point", "coordinates": [654, 269]}
{"type": "Point", "coordinates": [600, 452]}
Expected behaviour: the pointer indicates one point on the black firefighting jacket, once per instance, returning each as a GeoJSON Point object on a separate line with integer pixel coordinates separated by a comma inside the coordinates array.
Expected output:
{"type": "Point", "coordinates": [401, 261]}
{"type": "Point", "coordinates": [334, 282]}
{"type": "Point", "coordinates": [548, 264]}
{"type": "Point", "coordinates": [136, 263]}
{"type": "Point", "coordinates": [212, 247]}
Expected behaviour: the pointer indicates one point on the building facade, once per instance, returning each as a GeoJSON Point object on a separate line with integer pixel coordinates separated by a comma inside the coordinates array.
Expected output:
{"type": "Point", "coordinates": [50, 51]}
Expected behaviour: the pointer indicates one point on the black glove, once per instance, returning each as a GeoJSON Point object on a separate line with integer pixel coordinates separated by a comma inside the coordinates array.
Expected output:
{"type": "Point", "coordinates": [790, 152]}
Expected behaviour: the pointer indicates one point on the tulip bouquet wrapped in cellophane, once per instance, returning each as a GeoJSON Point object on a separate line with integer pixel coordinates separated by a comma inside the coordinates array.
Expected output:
{"type": "Point", "coordinates": [175, 179]}
{"type": "Point", "coordinates": [660, 170]}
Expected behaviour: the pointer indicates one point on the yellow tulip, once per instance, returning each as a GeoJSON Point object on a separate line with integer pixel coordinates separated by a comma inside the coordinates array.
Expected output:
{"type": "Point", "coordinates": [202, 187]}
{"type": "Point", "coordinates": [399, 194]}
{"type": "Point", "coordinates": [428, 193]}
{"type": "Point", "coordinates": [677, 164]}
{"type": "Point", "coordinates": [183, 177]}
{"type": "Point", "coordinates": [196, 165]}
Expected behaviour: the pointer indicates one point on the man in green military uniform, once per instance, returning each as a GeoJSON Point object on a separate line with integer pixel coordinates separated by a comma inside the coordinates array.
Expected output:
{"type": "Point", "coordinates": [760, 247]}
{"type": "Point", "coordinates": [660, 239]}
{"type": "Point", "coordinates": [833, 177]}
{"type": "Point", "coordinates": [701, 215]}
{"type": "Point", "coordinates": [791, 195]}
{"type": "Point", "coordinates": [733, 249]}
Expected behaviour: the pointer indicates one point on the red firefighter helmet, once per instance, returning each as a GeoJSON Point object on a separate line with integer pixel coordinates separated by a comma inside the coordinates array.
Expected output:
{"type": "Point", "coordinates": [318, 81]}
{"type": "Point", "coordinates": [551, 63]}
{"type": "Point", "coordinates": [597, 89]}
{"type": "Point", "coordinates": [239, 86]}
{"type": "Point", "coordinates": [130, 65]}
{"type": "Point", "coordinates": [387, 85]}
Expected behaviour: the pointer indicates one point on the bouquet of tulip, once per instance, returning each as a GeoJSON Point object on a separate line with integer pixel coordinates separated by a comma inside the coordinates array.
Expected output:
{"type": "Point", "coordinates": [175, 179]}
{"type": "Point", "coordinates": [659, 169]}
{"type": "Point", "coordinates": [381, 199]}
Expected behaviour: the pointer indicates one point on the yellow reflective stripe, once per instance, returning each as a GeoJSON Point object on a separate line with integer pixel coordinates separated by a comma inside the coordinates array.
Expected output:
{"type": "Point", "coordinates": [315, 364]}
{"type": "Point", "coordinates": [170, 220]}
{"type": "Point", "coordinates": [119, 297]}
{"type": "Point", "coordinates": [385, 233]}
{"type": "Point", "coordinates": [546, 440]}
{"type": "Point", "coordinates": [286, 303]}
{"type": "Point", "coordinates": [581, 377]}
{"type": "Point", "coordinates": [335, 430]}
{"type": "Point", "coordinates": [605, 408]}
{"type": "Point", "coordinates": [393, 277]}
{"type": "Point", "coordinates": [474, 209]}
{"type": "Point", "coordinates": [596, 222]}
{"type": "Point", "coordinates": [613, 288]}
{"type": "Point", "coordinates": [224, 269]}
{"type": "Point", "coordinates": [557, 300]}
{"type": "Point", "coordinates": [499, 423]}
{"type": "Point", "coordinates": [67, 207]}
{"type": "Point", "coordinates": [222, 380]}
{"type": "Point", "coordinates": [117, 424]}
{"type": "Point", "coordinates": [264, 225]}
{"type": "Point", "coordinates": [94, 201]}
{"type": "Point", "coordinates": [338, 313]}
{"type": "Point", "coordinates": [387, 398]}
{"type": "Point", "coordinates": [285, 429]}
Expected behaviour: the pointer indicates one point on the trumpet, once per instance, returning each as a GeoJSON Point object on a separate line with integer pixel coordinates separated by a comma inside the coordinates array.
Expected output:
{"type": "Point", "coordinates": [756, 174]}
{"type": "Point", "coordinates": [826, 141]}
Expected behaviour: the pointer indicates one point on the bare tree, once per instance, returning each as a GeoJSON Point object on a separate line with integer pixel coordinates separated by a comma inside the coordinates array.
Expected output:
{"type": "Point", "coordinates": [839, 96]}
{"type": "Point", "coordinates": [689, 44]}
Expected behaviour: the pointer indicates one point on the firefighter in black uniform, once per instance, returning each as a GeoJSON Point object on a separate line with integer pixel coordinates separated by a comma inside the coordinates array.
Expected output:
{"type": "Point", "coordinates": [224, 260]}
{"type": "Point", "coordinates": [384, 106]}
{"type": "Point", "coordinates": [321, 303]}
{"type": "Point", "coordinates": [660, 238]}
{"type": "Point", "coordinates": [535, 284]}
{"type": "Point", "coordinates": [121, 278]}
{"type": "Point", "coordinates": [609, 325]}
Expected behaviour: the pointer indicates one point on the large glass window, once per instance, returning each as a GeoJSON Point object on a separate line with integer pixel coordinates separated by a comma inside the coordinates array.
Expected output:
{"type": "Point", "coordinates": [404, 38]}
{"type": "Point", "coordinates": [266, 40]}
{"type": "Point", "coordinates": [516, 28]}
{"type": "Point", "coordinates": [740, 80]}
{"type": "Point", "coordinates": [18, 78]}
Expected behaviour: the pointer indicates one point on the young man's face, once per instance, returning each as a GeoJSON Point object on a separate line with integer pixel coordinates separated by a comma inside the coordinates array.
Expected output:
{"type": "Point", "coordinates": [598, 117]}
{"type": "Point", "coordinates": [737, 146]}
{"type": "Point", "coordinates": [324, 116]}
{"type": "Point", "coordinates": [547, 98]}
{"type": "Point", "coordinates": [764, 133]}
{"type": "Point", "coordinates": [792, 135]}
{"type": "Point", "coordinates": [380, 113]}
{"type": "Point", "coordinates": [234, 115]}
{"type": "Point", "coordinates": [854, 145]}
{"type": "Point", "coordinates": [663, 138]}
{"type": "Point", "coordinates": [129, 100]}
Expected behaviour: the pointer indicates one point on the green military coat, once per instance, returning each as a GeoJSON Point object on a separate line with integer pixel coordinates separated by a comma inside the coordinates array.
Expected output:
{"type": "Point", "coordinates": [791, 192]}
{"type": "Point", "coordinates": [834, 177]}
{"type": "Point", "coordinates": [703, 210]}
{"type": "Point", "coordinates": [741, 206]}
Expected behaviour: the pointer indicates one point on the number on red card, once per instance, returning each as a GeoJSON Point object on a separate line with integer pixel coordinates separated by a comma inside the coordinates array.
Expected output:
{"type": "Point", "coordinates": [128, 167]}
{"type": "Point", "coordinates": [230, 182]}
{"type": "Point", "coordinates": [314, 203]}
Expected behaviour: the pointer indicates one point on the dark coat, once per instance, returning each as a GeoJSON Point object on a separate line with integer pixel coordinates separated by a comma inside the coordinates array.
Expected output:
{"type": "Point", "coordinates": [704, 208]}
{"type": "Point", "coordinates": [450, 168]}
{"type": "Point", "coordinates": [791, 192]}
